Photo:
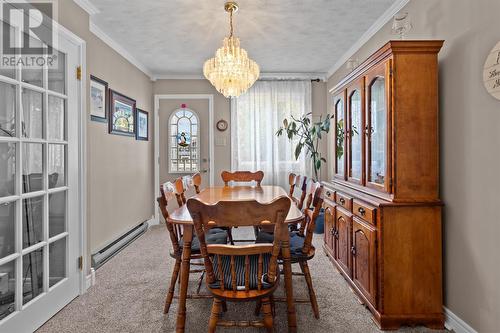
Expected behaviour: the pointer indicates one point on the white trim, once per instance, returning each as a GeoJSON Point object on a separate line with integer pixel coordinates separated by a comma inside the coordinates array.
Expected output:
{"type": "Point", "coordinates": [263, 76]}
{"type": "Point", "coordinates": [178, 77]}
{"type": "Point", "coordinates": [88, 281]}
{"type": "Point", "coordinates": [455, 323]}
{"type": "Point", "coordinates": [292, 76]}
{"type": "Point", "coordinates": [87, 6]}
{"type": "Point", "coordinates": [118, 48]}
{"type": "Point", "coordinates": [82, 138]}
{"type": "Point", "coordinates": [211, 145]}
{"type": "Point", "coordinates": [375, 27]}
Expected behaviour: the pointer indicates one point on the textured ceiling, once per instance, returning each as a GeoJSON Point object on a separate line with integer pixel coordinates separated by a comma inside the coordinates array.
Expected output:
{"type": "Point", "coordinates": [177, 36]}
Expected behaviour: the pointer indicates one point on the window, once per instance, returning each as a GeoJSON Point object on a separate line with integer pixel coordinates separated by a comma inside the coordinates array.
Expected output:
{"type": "Point", "coordinates": [256, 116]}
{"type": "Point", "coordinates": [183, 142]}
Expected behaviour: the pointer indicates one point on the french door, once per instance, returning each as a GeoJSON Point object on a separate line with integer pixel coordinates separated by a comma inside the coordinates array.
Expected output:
{"type": "Point", "coordinates": [39, 191]}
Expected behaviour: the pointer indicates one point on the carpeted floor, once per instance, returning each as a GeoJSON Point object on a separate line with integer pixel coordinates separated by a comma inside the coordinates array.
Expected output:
{"type": "Point", "coordinates": [131, 287]}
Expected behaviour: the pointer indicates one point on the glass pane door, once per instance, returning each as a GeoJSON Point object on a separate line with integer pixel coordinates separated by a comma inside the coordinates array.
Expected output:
{"type": "Point", "coordinates": [39, 219]}
{"type": "Point", "coordinates": [355, 135]}
{"type": "Point", "coordinates": [378, 132]}
{"type": "Point", "coordinates": [339, 136]}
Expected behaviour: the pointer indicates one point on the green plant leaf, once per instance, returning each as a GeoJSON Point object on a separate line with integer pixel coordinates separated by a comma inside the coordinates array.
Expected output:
{"type": "Point", "coordinates": [318, 164]}
{"type": "Point", "coordinates": [298, 150]}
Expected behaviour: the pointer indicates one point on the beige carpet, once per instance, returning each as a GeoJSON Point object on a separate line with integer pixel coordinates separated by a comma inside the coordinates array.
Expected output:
{"type": "Point", "coordinates": [131, 287]}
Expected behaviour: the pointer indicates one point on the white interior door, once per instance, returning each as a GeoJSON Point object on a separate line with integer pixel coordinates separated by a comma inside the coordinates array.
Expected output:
{"type": "Point", "coordinates": [184, 139]}
{"type": "Point", "coordinates": [39, 191]}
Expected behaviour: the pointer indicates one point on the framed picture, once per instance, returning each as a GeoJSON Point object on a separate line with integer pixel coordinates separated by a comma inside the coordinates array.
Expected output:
{"type": "Point", "coordinates": [98, 99]}
{"type": "Point", "coordinates": [142, 123]}
{"type": "Point", "coordinates": [121, 114]}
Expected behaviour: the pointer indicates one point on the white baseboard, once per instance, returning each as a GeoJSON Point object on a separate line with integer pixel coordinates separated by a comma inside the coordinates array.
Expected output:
{"type": "Point", "coordinates": [88, 282]}
{"type": "Point", "coordinates": [90, 279]}
{"type": "Point", "coordinates": [455, 323]}
{"type": "Point", "coordinates": [152, 221]}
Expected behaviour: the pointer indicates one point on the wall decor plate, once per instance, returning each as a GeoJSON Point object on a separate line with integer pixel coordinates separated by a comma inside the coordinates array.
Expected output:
{"type": "Point", "coordinates": [98, 99]}
{"type": "Point", "coordinates": [121, 114]}
{"type": "Point", "coordinates": [491, 73]}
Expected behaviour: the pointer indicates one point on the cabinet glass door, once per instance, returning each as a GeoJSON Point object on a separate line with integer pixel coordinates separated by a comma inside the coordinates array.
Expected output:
{"type": "Point", "coordinates": [356, 136]}
{"type": "Point", "coordinates": [376, 128]}
{"type": "Point", "coordinates": [340, 152]}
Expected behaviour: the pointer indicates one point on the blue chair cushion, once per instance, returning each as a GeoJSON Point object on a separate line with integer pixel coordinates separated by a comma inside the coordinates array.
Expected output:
{"type": "Point", "coordinates": [239, 262]}
{"type": "Point", "coordinates": [213, 236]}
{"type": "Point", "coordinates": [296, 242]}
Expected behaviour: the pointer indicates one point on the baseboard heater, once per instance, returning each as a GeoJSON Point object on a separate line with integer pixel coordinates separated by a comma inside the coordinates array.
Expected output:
{"type": "Point", "coordinates": [106, 253]}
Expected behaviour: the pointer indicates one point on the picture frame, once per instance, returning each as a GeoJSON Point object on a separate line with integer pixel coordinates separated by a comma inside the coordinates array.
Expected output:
{"type": "Point", "coordinates": [142, 125]}
{"type": "Point", "coordinates": [121, 114]}
{"type": "Point", "coordinates": [99, 97]}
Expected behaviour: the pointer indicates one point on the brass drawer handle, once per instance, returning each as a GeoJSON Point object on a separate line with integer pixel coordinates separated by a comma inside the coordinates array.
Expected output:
{"type": "Point", "coordinates": [353, 250]}
{"type": "Point", "coordinates": [342, 201]}
{"type": "Point", "coordinates": [362, 211]}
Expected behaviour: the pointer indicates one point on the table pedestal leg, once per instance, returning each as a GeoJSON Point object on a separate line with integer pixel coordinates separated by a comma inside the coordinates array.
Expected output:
{"type": "Point", "coordinates": [187, 238]}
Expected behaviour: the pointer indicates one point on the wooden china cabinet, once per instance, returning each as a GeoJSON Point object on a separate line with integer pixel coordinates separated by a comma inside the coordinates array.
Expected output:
{"type": "Point", "coordinates": [382, 207]}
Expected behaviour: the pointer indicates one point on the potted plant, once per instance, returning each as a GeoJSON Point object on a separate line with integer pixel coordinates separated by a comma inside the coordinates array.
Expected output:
{"type": "Point", "coordinates": [309, 135]}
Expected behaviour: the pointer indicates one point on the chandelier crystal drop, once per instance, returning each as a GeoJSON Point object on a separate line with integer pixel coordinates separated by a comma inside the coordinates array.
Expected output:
{"type": "Point", "coordinates": [231, 71]}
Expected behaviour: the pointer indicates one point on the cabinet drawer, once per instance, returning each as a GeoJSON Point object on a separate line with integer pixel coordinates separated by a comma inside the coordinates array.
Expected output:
{"type": "Point", "coordinates": [329, 194]}
{"type": "Point", "coordinates": [366, 212]}
{"type": "Point", "coordinates": [344, 201]}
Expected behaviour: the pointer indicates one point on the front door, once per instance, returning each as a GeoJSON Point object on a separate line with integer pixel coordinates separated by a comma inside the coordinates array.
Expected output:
{"type": "Point", "coordinates": [39, 190]}
{"type": "Point", "coordinates": [184, 139]}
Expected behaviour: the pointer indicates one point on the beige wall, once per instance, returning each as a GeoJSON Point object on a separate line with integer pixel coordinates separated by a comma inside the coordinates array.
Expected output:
{"type": "Point", "coordinates": [222, 111]}
{"type": "Point", "coordinates": [119, 168]}
{"type": "Point", "coordinates": [470, 139]}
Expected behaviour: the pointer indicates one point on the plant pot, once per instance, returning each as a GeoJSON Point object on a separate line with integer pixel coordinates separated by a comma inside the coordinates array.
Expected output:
{"type": "Point", "coordinates": [319, 227]}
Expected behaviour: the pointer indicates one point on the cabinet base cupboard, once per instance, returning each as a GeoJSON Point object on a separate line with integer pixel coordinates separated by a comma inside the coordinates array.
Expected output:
{"type": "Point", "coordinates": [382, 205]}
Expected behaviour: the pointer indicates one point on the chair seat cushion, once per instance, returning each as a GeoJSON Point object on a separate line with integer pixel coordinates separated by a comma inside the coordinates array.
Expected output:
{"type": "Point", "coordinates": [296, 242]}
{"type": "Point", "coordinates": [213, 236]}
{"type": "Point", "coordinates": [239, 262]}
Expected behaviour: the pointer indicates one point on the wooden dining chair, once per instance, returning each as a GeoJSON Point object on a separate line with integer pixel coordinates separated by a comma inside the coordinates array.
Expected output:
{"type": "Point", "coordinates": [298, 189]}
{"type": "Point", "coordinates": [291, 182]}
{"type": "Point", "coordinates": [216, 236]}
{"type": "Point", "coordinates": [181, 187]}
{"type": "Point", "coordinates": [196, 178]}
{"type": "Point", "coordinates": [243, 272]}
{"type": "Point", "coordinates": [301, 248]}
{"type": "Point", "coordinates": [242, 176]}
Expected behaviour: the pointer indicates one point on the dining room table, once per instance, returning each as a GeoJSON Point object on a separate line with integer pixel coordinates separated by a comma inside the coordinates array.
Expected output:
{"type": "Point", "coordinates": [212, 195]}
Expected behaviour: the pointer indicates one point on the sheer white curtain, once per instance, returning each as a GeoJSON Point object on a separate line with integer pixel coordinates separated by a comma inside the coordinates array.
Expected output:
{"type": "Point", "coordinates": [255, 118]}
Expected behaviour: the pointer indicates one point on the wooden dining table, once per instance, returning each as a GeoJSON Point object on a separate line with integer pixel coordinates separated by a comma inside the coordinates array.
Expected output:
{"type": "Point", "coordinates": [212, 195]}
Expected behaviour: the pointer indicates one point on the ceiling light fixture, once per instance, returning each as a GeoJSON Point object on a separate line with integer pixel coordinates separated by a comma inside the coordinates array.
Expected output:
{"type": "Point", "coordinates": [231, 71]}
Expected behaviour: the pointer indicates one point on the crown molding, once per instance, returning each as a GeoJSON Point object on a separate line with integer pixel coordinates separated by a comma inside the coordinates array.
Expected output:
{"type": "Point", "coordinates": [263, 76]}
{"type": "Point", "coordinates": [374, 28]}
{"type": "Point", "coordinates": [119, 49]}
{"type": "Point", "coordinates": [293, 76]}
{"type": "Point", "coordinates": [87, 6]}
{"type": "Point", "coordinates": [177, 77]}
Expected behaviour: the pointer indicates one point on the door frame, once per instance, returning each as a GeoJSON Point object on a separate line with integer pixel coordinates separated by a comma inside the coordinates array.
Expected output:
{"type": "Point", "coordinates": [82, 149]}
{"type": "Point", "coordinates": [156, 140]}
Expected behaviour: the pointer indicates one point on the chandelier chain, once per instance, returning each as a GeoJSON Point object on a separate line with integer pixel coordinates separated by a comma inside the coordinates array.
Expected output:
{"type": "Point", "coordinates": [231, 23]}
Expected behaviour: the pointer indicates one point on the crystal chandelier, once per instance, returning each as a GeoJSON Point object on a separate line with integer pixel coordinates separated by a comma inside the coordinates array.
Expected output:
{"type": "Point", "coordinates": [231, 71]}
